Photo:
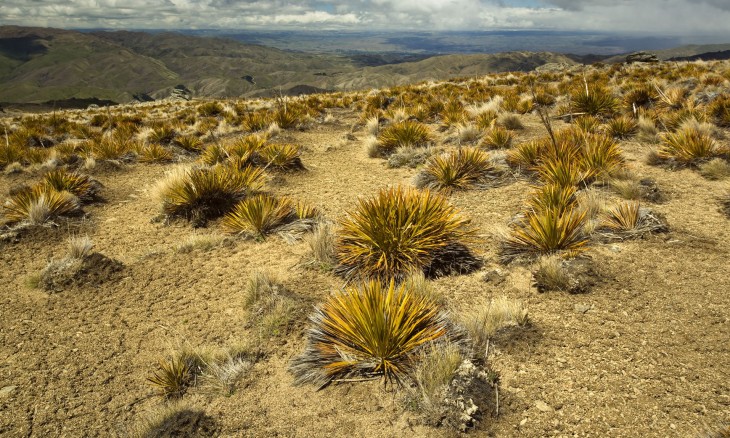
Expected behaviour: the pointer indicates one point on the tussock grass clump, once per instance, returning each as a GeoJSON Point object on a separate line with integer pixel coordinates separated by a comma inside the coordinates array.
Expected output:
{"type": "Point", "coordinates": [687, 146]}
{"type": "Point", "coordinates": [284, 157]}
{"type": "Point", "coordinates": [436, 368]}
{"type": "Point", "coordinates": [596, 101]}
{"type": "Point", "coordinates": [272, 308]}
{"type": "Point", "coordinates": [396, 232]}
{"type": "Point", "coordinates": [559, 198]}
{"type": "Point", "coordinates": [177, 418]}
{"type": "Point", "coordinates": [191, 143]}
{"type": "Point", "coordinates": [210, 109]}
{"type": "Point", "coordinates": [462, 169]}
{"type": "Point", "coordinates": [202, 242]}
{"type": "Point", "coordinates": [40, 204]}
{"type": "Point", "coordinates": [497, 138]}
{"type": "Point", "coordinates": [256, 121]}
{"type": "Point", "coordinates": [404, 134]}
{"type": "Point", "coordinates": [322, 246]}
{"type": "Point", "coordinates": [154, 153]}
{"type": "Point", "coordinates": [629, 220]}
{"type": "Point", "coordinates": [545, 232]}
{"type": "Point", "coordinates": [622, 127]}
{"type": "Point", "coordinates": [259, 215]}
{"type": "Point", "coordinates": [202, 193]}
{"type": "Point", "coordinates": [370, 330]}
{"type": "Point", "coordinates": [174, 376]}
{"type": "Point", "coordinates": [511, 122]}
{"type": "Point", "coordinates": [408, 156]}
{"type": "Point", "coordinates": [715, 169]}
{"type": "Point", "coordinates": [82, 186]}
{"type": "Point", "coordinates": [484, 321]}
{"type": "Point", "coordinates": [719, 110]}
{"type": "Point", "coordinates": [79, 247]}
{"type": "Point", "coordinates": [551, 274]}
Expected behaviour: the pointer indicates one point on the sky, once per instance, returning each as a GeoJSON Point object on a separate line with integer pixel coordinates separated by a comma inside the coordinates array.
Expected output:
{"type": "Point", "coordinates": [666, 17]}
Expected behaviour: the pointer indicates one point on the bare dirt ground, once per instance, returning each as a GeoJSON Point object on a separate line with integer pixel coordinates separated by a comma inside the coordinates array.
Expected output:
{"type": "Point", "coordinates": [645, 353]}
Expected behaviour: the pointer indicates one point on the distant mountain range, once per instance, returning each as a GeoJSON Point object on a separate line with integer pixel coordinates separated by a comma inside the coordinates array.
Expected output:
{"type": "Point", "coordinates": [39, 65]}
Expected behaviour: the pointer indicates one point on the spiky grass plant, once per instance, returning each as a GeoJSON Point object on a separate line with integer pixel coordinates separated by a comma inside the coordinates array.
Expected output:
{"type": "Point", "coordinates": [623, 217]}
{"type": "Point", "coordinates": [285, 157]}
{"type": "Point", "coordinates": [396, 232]}
{"type": "Point", "coordinates": [595, 101]}
{"type": "Point", "coordinates": [213, 155]}
{"type": "Point", "coordinates": [287, 116]}
{"type": "Point", "coordinates": [202, 193]}
{"type": "Point", "coordinates": [545, 232]}
{"type": "Point", "coordinates": [256, 121]}
{"type": "Point", "coordinates": [622, 127]}
{"type": "Point", "coordinates": [173, 377]}
{"type": "Point", "coordinates": [370, 330]}
{"type": "Point", "coordinates": [687, 146]}
{"type": "Point", "coordinates": [39, 205]}
{"type": "Point", "coordinates": [259, 215]}
{"type": "Point", "coordinates": [587, 123]}
{"type": "Point", "coordinates": [453, 114]}
{"type": "Point", "coordinates": [82, 186]}
{"type": "Point", "coordinates": [11, 153]}
{"type": "Point", "coordinates": [460, 170]}
{"type": "Point", "coordinates": [497, 138]}
{"type": "Point", "coordinates": [404, 134]}
{"type": "Point", "coordinates": [191, 143]}
{"type": "Point", "coordinates": [485, 120]}
{"type": "Point", "coordinates": [559, 198]}
{"type": "Point", "coordinates": [628, 220]}
{"type": "Point", "coordinates": [526, 155]}
{"type": "Point", "coordinates": [154, 153]}
{"type": "Point", "coordinates": [563, 171]}
{"type": "Point", "coordinates": [210, 109]}
{"type": "Point", "coordinates": [601, 156]}
{"type": "Point", "coordinates": [719, 110]}
{"type": "Point", "coordinates": [163, 134]}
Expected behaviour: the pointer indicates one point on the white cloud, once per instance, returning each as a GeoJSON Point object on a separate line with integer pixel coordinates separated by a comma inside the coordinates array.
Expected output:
{"type": "Point", "coordinates": [683, 17]}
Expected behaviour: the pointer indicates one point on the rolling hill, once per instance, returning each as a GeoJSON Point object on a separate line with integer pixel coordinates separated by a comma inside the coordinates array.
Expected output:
{"type": "Point", "coordinates": [39, 65]}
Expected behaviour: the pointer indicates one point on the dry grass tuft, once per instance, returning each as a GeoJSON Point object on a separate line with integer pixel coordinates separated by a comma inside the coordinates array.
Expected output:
{"type": "Point", "coordinates": [485, 321]}
{"type": "Point", "coordinates": [715, 169]}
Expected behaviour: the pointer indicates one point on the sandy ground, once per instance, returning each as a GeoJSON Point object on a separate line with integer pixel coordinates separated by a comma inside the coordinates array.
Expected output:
{"type": "Point", "coordinates": [650, 358]}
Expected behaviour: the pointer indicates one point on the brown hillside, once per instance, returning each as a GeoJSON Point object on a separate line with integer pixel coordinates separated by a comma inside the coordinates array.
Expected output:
{"type": "Point", "coordinates": [636, 343]}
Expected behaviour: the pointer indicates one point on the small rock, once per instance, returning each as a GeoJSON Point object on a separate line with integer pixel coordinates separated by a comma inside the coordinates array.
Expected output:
{"type": "Point", "coordinates": [582, 308]}
{"type": "Point", "coordinates": [495, 276]}
{"type": "Point", "coordinates": [542, 406]}
{"type": "Point", "coordinates": [523, 422]}
{"type": "Point", "coordinates": [7, 391]}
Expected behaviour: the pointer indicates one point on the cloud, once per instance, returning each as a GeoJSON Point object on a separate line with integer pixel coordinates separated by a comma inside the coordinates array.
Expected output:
{"type": "Point", "coordinates": [678, 17]}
